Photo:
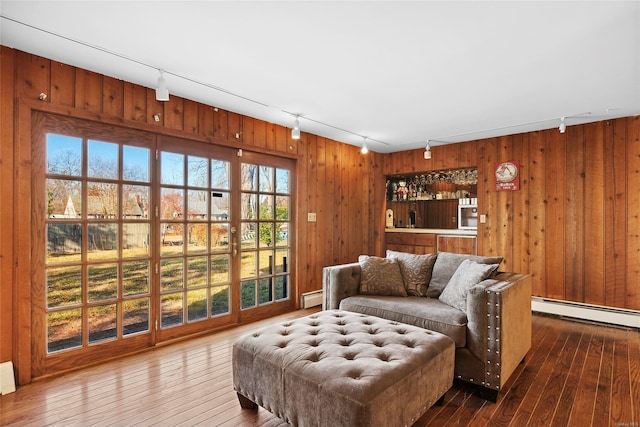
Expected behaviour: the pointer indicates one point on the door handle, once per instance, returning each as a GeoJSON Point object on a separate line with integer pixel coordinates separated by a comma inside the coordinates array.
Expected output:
{"type": "Point", "coordinates": [234, 242]}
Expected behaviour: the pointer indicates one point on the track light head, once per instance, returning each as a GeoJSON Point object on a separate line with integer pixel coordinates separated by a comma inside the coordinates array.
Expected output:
{"type": "Point", "coordinates": [563, 125]}
{"type": "Point", "coordinates": [427, 151]}
{"type": "Point", "coordinates": [364, 149]}
{"type": "Point", "coordinates": [162, 93]}
{"type": "Point", "coordinates": [295, 132]}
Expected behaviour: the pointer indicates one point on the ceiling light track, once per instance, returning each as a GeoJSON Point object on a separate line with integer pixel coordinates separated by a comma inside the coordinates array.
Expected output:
{"type": "Point", "coordinates": [336, 128]}
{"type": "Point", "coordinates": [162, 83]}
{"type": "Point", "coordinates": [451, 139]}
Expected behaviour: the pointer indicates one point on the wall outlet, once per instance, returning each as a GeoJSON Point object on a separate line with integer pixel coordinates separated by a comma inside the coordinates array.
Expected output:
{"type": "Point", "coordinates": [311, 217]}
{"type": "Point", "coordinates": [483, 218]}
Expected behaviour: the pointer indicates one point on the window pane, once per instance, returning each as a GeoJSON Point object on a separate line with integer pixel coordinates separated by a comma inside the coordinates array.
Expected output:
{"type": "Point", "coordinates": [219, 206]}
{"type": "Point", "coordinates": [282, 234]}
{"type": "Point", "coordinates": [172, 168]}
{"type": "Point", "coordinates": [248, 265]}
{"type": "Point", "coordinates": [266, 263]}
{"type": "Point", "coordinates": [103, 241]}
{"type": "Point", "coordinates": [197, 238]}
{"type": "Point", "coordinates": [172, 236]}
{"type": "Point", "coordinates": [64, 286]}
{"type": "Point", "coordinates": [266, 207]}
{"type": "Point", "coordinates": [196, 305]}
{"type": "Point", "coordinates": [135, 278]}
{"type": "Point", "coordinates": [282, 181]}
{"type": "Point", "coordinates": [64, 330]}
{"type": "Point", "coordinates": [266, 179]}
{"type": "Point", "coordinates": [220, 237]}
{"type": "Point", "coordinates": [281, 261]}
{"type": "Point", "coordinates": [247, 294]}
{"type": "Point", "coordinates": [135, 316]}
{"type": "Point", "coordinates": [102, 282]}
{"type": "Point", "coordinates": [102, 160]}
{"type": "Point", "coordinates": [249, 206]}
{"type": "Point", "coordinates": [197, 205]}
{"type": "Point", "coordinates": [248, 236]}
{"type": "Point", "coordinates": [135, 164]}
{"type": "Point", "coordinates": [197, 271]}
{"type": "Point", "coordinates": [171, 274]}
{"type": "Point", "coordinates": [64, 242]}
{"type": "Point", "coordinates": [171, 309]}
{"type": "Point", "coordinates": [135, 240]}
{"type": "Point", "coordinates": [282, 287]}
{"type": "Point", "coordinates": [64, 155]}
{"type": "Point", "coordinates": [135, 200]}
{"type": "Point", "coordinates": [249, 177]}
{"type": "Point", "coordinates": [266, 234]}
{"type": "Point", "coordinates": [282, 207]}
{"type": "Point", "coordinates": [64, 199]}
{"type": "Point", "coordinates": [265, 292]}
{"type": "Point", "coordinates": [197, 171]}
{"type": "Point", "coordinates": [102, 200]}
{"type": "Point", "coordinates": [219, 269]}
{"type": "Point", "coordinates": [220, 174]}
{"type": "Point", "coordinates": [103, 324]}
{"type": "Point", "coordinates": [219, 300]}
{"type": "Point", "coordinates": [171, 203]}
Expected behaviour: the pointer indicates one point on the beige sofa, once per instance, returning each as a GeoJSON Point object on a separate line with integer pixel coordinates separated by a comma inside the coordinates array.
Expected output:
{"type": "Point", "coordinates": [491, 329]}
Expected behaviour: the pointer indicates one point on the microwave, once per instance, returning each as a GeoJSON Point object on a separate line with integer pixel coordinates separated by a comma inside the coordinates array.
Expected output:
{"type": "Point", "coordinates": [468, 217]}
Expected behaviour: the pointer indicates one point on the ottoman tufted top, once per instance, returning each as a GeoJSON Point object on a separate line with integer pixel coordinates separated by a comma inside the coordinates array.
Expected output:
{"type": "Point", "coordinates": [351, 354]}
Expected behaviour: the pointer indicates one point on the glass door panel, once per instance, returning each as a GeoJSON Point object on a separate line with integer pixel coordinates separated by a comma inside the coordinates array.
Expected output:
{"type": "Point", "coordinates": [265, 224]}
{"type": "Point", "coordinates": [97, 195]}
{"type": "Point", "coordinates": [195, 224]}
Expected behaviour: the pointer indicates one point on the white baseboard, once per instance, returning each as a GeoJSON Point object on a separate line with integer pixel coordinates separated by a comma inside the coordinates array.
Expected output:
{"type": "Point", "coordinates": [311, 299]}
{"type": "Point", "coordinates": [595, 313]}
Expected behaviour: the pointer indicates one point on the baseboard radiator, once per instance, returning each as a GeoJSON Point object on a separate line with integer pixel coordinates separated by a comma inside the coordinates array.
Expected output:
{"type": "Point", "coordinates": [311, 299]}
{"type": "Point", "coordinates": [595, 313]}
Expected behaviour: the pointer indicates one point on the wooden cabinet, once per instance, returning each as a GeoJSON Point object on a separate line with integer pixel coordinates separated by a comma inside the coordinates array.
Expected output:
{"type": "Point", "coordinates": [440, 213]}
{"type": "Point", "coordinates": [457, 244]}
{"type": "Point", "coordinates": [418, 243]}
{"type": "Point", "coordinates": [428, 243]}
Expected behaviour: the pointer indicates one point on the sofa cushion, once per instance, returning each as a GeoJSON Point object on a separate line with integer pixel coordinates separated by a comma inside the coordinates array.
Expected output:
{"type": "Point", "coordinates": [446, 264]}
{"type": "Point", "coordinates": [468, 274]}
{"type": "Point", "coordinates": [428, 313]}
{"type": "Point", "coordinates": [380, 276]}
{"type": "Point", "coordinates": [416, 271]}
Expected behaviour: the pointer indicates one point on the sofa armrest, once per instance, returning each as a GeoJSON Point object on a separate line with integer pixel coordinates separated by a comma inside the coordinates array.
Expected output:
{"type": "Point", "coordinates": [499, 325]}
{"type": "Point", "coordinates": [339, 282]}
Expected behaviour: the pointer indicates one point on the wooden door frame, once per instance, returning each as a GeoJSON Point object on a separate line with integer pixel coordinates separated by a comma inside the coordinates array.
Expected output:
{"type": "Point", "coordinates": [22, 223]}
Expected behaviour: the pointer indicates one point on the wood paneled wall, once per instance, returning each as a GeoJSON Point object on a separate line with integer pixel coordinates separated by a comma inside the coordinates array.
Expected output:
{"type": "Point", "coordinates": [574, 225]}
{"type": "Point", "coordinates": [334, 180]}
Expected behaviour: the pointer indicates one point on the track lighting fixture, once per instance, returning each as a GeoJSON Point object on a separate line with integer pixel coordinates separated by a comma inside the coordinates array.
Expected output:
{"type": "Point", "coordinates": [364, 149]}
{"type": "Point", "coordinates": [427, 151]}
{"type": "Point", "coordinates": [162, 93]}
{"type": "Point", "coordinates": [563, 125]}
{"type": "Point", "coordinates": [295, 132]}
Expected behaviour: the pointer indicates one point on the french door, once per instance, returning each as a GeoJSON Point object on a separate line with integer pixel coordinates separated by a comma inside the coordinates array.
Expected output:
{"type": "Point", "coordinates": [147, 238]}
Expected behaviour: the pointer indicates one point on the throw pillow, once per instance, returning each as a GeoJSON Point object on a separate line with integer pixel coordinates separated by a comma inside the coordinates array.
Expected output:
{"type": "Point", "coordinates": [447, 263]}
{"type": "Point", "coordinates": [416, 271]}
{"type": "Point", "coordinates": [380, 276]}
{"type": "Point", "coordinates": [468, 274]}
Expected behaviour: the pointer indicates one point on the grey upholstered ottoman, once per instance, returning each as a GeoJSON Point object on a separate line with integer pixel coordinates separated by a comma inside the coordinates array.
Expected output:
{"type": "Point", "coordinates": [337, 368]}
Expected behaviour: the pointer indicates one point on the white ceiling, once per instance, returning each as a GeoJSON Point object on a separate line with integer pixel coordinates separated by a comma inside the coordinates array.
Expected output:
{"type": "Point", "coordinates": [397, 72]}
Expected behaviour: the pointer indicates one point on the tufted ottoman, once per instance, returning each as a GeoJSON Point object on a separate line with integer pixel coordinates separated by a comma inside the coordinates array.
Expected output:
{"type": "Point", "coordinates": [337, 368]}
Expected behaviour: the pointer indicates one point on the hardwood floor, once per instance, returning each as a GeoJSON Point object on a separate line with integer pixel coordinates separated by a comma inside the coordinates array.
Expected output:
{"type": "Point", "coordinates": [576, 374]}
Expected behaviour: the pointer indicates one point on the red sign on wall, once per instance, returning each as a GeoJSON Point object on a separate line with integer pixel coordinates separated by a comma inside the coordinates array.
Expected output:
{"type": "Point", "coordinates": [507, 176]}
